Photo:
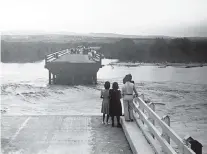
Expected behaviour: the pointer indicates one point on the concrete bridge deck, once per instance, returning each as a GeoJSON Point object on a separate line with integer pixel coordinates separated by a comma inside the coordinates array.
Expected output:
{"type": "Point", "coordinates": [65, 134]}
{"type": "Point", "coordinates": [74, 58]}
{"type": "Point", "coordinates": [61, 135]}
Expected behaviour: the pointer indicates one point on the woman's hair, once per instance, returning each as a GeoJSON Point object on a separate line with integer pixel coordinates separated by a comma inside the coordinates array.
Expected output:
{"type": "Point", "coordinates": [107, 85]}
{"type": "Point", "coordinates": [115, 86]}
{"type": "Point", "coordinates": [124, 80]}
{"type": "Point", "coordinates": [128, 78]}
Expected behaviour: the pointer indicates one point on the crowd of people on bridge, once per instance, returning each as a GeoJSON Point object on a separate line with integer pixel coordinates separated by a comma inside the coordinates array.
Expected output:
{"type": "Point", "coordinates": [111, 104]}
{"type": "Point", "coordinates": [85, 51]}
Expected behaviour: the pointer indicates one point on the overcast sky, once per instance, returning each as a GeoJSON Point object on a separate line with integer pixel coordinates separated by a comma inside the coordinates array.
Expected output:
{"type": "Point", "coordinates": [136, 17]}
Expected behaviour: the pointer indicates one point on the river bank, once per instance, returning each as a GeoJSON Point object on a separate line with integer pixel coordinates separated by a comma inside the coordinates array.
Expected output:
{"type": "Point", "coordinates": [160, 65]}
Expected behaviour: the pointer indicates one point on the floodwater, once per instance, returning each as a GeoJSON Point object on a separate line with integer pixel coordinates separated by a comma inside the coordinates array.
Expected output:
{"type": "Point", "coordinates": [180, 93]}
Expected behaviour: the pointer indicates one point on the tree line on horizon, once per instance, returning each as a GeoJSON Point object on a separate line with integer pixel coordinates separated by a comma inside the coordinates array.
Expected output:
{"type": "Point", "coordinates": [152, 50]}
{"type": "Point", "coordinates": [178, 50]}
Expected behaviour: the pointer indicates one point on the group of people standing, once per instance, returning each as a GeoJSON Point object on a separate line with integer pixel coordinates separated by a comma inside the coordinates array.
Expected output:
{"type": "Point", "coordinates": [111, 104]}
{"type": "Point", "coordinates": [85, 51]}
{"type": "Point", "coordinates": [91, 54]}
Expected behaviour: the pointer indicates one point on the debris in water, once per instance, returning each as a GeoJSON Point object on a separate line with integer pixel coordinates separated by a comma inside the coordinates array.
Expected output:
{"type": "Point", "coordinates": [3, 111]}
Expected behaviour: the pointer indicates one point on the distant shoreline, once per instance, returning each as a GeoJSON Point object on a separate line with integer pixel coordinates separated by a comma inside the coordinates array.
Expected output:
{"type": "Point", "coordinates": [137, 64]}
{"type": "Point", "coordinates": [160, 65]}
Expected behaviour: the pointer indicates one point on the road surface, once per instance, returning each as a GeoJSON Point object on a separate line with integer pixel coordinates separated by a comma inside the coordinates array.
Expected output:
{"type": "Point", "coordinates": [61, 135]}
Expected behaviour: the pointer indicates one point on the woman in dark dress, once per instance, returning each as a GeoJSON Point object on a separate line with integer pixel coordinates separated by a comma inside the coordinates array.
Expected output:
{"type": "Point", "coordinates": [115, 108]}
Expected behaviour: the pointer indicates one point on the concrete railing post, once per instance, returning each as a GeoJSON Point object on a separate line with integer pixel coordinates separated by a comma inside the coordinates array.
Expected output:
{"type": "Point", "coordinates": [142, 108]}
{"type": "Point", "coordinates": [166, 119]}
{"type": "Point", "coordinates": [152, 106]}
{"type": "Point", "coordinates": [142, 97]}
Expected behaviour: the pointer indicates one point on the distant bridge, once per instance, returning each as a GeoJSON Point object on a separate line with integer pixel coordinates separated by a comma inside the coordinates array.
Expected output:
{"type": "Point", "coordinates": [73, 66]}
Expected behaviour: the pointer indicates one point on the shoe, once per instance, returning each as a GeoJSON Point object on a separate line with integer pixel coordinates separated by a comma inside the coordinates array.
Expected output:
{"type": "Point", "coordinates": [103, 122]}
{"type": "Point", "coordinates": [131, 120]}
{"type": "Point", "coordinates": [127, 120]}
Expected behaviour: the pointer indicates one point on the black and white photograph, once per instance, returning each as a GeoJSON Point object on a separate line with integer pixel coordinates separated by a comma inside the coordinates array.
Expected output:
{"type": "Point", "coordinates": [103, 76]}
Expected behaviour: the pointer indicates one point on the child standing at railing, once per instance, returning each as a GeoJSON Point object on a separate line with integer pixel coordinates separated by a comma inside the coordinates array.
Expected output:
{"type": "Point", "coordinates": [105, 102]}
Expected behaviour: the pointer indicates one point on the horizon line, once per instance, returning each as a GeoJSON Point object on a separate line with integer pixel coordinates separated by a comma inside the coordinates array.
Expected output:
{"type": "Point", "coordinates": [37, 32]}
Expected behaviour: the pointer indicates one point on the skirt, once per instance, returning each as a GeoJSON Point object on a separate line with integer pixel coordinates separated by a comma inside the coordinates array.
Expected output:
{"type": "Point", "coordinates": [105, 107]}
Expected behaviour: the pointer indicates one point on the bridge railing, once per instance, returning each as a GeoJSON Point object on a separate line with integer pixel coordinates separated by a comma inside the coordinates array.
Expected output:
{"type": "Point", "coordinates": [97, 57]}
{"type": "Point", "coordinates": [50, 57]}
{"type": "Point", "coordinates": [146, 118]}
{"type": "Point", "coordinates": [55, 55]}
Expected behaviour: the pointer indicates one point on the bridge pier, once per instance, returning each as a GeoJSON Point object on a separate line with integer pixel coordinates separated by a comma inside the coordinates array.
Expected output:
{"type": "Point", "coordinates": [94, 78]}
{"type": "Point", "coordinates": [73, 79]}
{"type": "Point", "coordinates": [50, 77]}
{"type": "Point", "coordinates": [54, 78]}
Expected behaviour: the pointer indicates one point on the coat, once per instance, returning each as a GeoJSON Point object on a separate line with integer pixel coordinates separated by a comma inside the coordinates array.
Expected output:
{"type": "Point", "coordinates": [115, 108]}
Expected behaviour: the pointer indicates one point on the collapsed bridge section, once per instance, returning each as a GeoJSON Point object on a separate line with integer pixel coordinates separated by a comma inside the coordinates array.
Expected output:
{"type": "Point", "coordinates": [72, 66]}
